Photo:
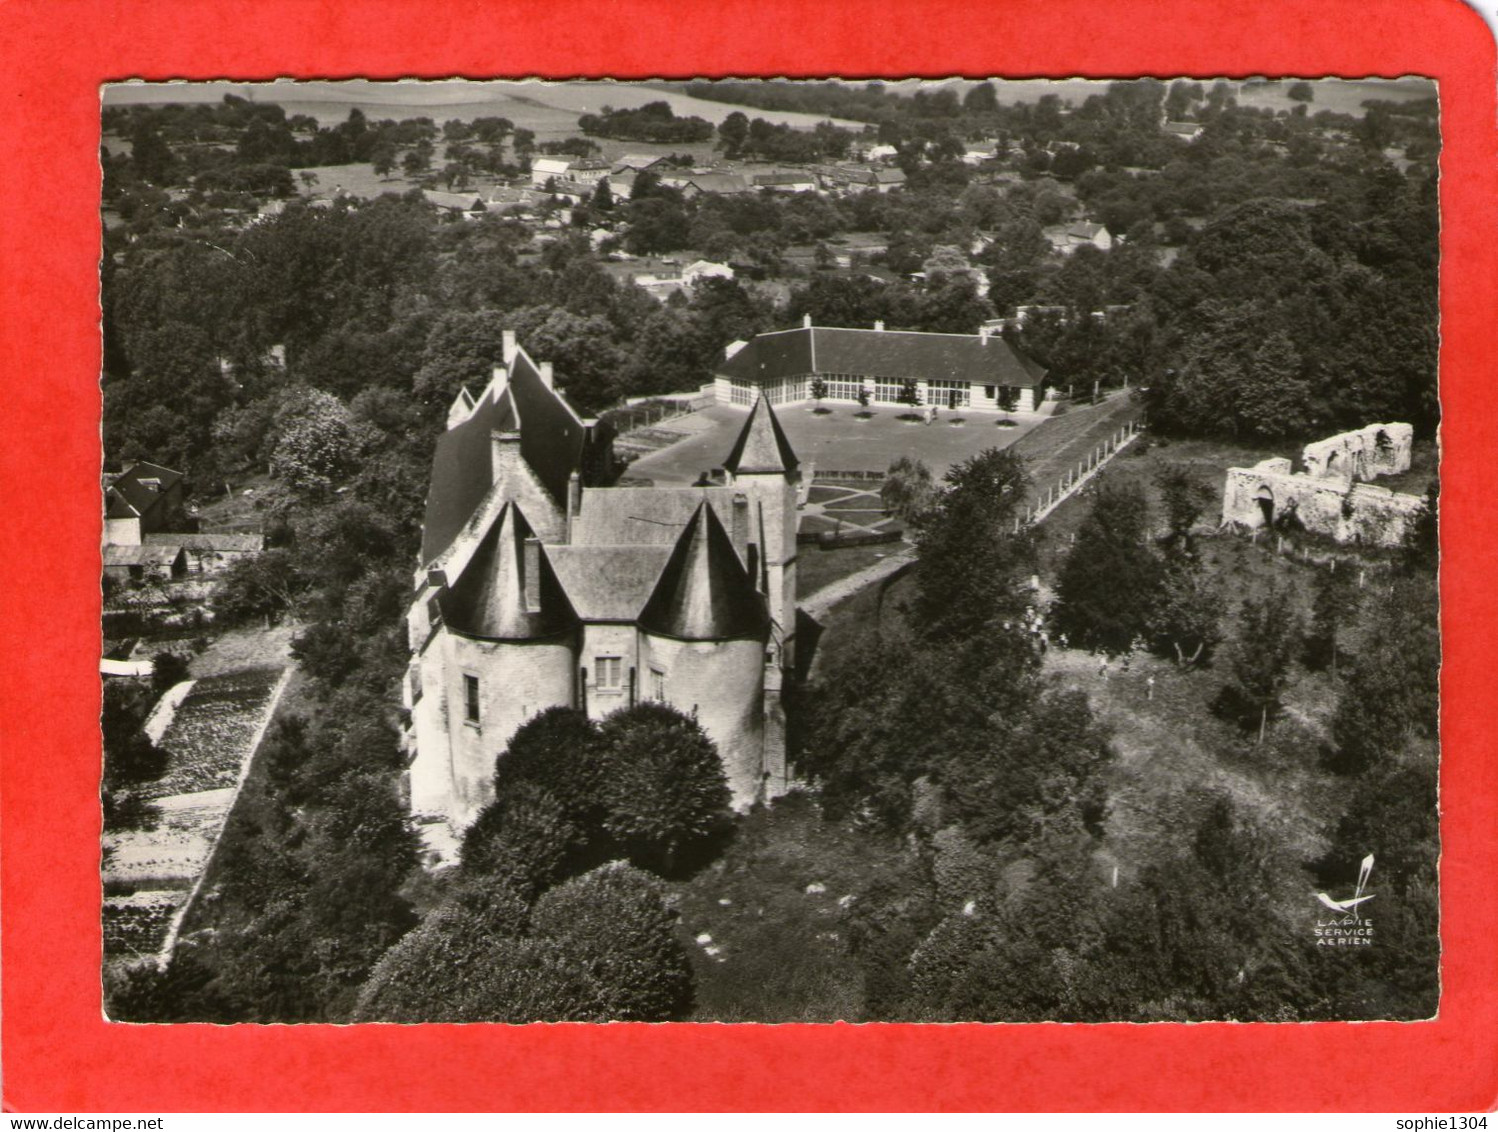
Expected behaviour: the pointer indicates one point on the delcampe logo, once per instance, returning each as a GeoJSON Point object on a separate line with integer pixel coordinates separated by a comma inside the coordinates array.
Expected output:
{"type": "Point", "coordinates": [1346, 925]}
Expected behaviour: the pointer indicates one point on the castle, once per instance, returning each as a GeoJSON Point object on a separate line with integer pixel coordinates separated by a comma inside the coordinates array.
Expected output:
{"type": "Point", "coordinates": [538, 589]}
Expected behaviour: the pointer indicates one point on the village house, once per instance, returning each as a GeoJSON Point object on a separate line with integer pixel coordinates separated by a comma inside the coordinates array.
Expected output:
{"type": "Point", "coordinates": [544, 169]}
{"type": "Point", "coordinates": [786, 182]}
{"type": "Point", "coordinates": [698, 270]}
{"type": "Point", "coordinates": [696, 183]}
{"type": "Point", "coordinates": [209, 552]}
{"type": "Point", "coordinates": [139, 563]}
{"type": "Point", "coordinates": [469, 206]}
{"type": "Point", "coordinates": [950, 371]}
{"type": "Point", "coordinates": [142, 499]}
{"type": "Point", "coordinates": [1067, 238]}
{"type": "Point", "coordinates": [856, 178]}
{"type": "Point", "coordinates": [1186, 131]}
{"type": "Point", "coordinates": [537, 589]}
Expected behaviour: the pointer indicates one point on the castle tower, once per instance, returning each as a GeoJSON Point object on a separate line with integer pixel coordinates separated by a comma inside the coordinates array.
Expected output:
{"type": "Point", "coordinates": [703, 632]}
{"type": "Point", "coordinates": [509, 650]}
{"type": "Point", "coordinates": [763, 465]}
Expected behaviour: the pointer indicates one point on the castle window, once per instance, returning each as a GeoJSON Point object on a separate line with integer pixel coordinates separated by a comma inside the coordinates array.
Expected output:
{"type": "Point", "coordinates": [610, 671]}
{"type": "Point", "coordinates": [470, 698]}
{"type": "Point", "coordinates": [657, 684]}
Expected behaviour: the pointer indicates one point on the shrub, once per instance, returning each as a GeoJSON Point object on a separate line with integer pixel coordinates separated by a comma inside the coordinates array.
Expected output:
{"type": "Point", "coordinates": [663, 789]}
{"type": "Point", "coordinates": [613, 923]}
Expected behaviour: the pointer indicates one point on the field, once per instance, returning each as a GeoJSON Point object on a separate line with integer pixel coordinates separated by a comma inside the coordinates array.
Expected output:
{"type": "Point", "coordinates": [549, 109]}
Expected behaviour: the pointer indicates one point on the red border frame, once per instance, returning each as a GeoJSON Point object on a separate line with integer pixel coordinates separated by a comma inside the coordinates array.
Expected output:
{"type": "Point", "coordinates": [60, 1055]}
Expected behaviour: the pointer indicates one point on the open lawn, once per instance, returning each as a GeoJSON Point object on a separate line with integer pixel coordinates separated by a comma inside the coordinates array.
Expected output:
{"type": "Point", "coordinates": [764, 924]}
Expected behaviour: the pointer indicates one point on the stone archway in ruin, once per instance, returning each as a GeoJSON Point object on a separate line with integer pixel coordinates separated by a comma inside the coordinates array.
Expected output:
{"type": "Point", "coordinates": [1265, 499]}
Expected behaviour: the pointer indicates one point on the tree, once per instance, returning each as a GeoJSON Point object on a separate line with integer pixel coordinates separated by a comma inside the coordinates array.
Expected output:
{"type": "Point", "coordinates": [614, 924]}
{"type": "Point", "coordinates": [818, 390]}
{"type": "Point", "coordinates": [1184, 497]}
{"type": "Point", "coordinates": [1268, 640]}
{"type": "Point", "coordinates": [315, 446]}
{"type": "Point", "coordinates": [1110, 578]}
{"type": "Point", "coordinates": [908, 491]}
{"type": "Point", "coordinates": [383, 160]}
{"type": "Point", "coordinates": [733, 132]}
{"type": "Point", "coordinates": [1301, 92]}
{"type": "Point", "coordinates": [972, 566]}
{"type": "Point", "coordinates": [910, 393]}
{"type": "Point", "coordinates": [1186, 616]}
{"type": "Point", "coordinates": [456, 967]}
{"type": "Point", "coordinates": [1333, 606]}
{"type": "Point", "coordinates": [558, 751]}
{"type": "Point", "coordinates": [523, 837]}
{"type": "Point", "coordinates": [663, 784]}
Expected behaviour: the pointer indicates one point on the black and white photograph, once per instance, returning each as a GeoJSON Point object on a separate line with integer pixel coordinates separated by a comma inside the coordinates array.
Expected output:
{"type": "Point", "coordinates": [770, 551]}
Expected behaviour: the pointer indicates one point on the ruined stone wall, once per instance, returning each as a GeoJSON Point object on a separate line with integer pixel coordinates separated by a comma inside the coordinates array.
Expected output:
{"type": "Point", "coordinates": [1267, 494]}
{"type": "Point", "coordinates": [1377, 450]}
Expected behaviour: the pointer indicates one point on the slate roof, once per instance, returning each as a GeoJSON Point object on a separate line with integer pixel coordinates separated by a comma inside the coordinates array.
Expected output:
{"type": "Point", "coordinates": [637, 161]}
{"type": "Point", "coordinates": [636, 516]}
{"type": "Point", "coordinates": [761, 445]}
{"type": "Point", "coordinates": [608, 583]}
{"type": "Point", "coordinates": [718, 182]}
{"type": "Point", "coordinates": [211, 541]}
{"type": "Point", "coordinates": [488, 598]}
{"type": "Point", "coordinates": [461, 202]}
{"type": "Point", "coordinates": [704, 593]}
{"type": "Point", "coordinates": [891, 354]}
{"type": "Point", "coordinates": [130, 496]}
{"type": "Point", "coordinates": [552, 438]}
{"type": "Point", "coordinates": [462, 473]}
{"type": "Point", "coordinates": [141, 555]}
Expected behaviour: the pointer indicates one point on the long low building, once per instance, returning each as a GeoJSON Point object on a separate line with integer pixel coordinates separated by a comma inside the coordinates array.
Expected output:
{"type": "Point", "coordinates": [949, 371]}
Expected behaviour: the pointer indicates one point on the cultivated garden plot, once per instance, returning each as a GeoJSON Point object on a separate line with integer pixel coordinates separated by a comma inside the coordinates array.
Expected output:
{"type": "Point", "coordinates": [149, 873]}
{"type": "Point", "coordinates": [208, 740]}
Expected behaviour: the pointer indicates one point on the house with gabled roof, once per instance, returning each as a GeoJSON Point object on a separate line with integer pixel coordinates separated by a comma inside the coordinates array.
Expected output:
{"type": "Point", "coordinates": [1067, 238]}
{"type": "Point", "coordinates": [539, 587]}
{"type": "Point", "coordinates": [139, 501]}
{"type": "Point", "coordinates": [949, 371]}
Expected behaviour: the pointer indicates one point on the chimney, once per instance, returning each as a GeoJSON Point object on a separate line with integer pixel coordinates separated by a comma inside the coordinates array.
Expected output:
{"type": "Point", "coordinates": [741, 524]}
{"type": "Point", "coordinates": [504, 454]}
{"type": "Point", "coordinates": [530, 574]}
{"type": "Point", "coordinates": [879, 324]}
{"type": "Point", "coordinates": [498, 376]}
{"type": "Point", "coordinates": [983, 333]}
{"type": "Point", "coordinates": [574, 501]}
{"type": "Point", "coordinates": [511, 347]}
{"type": "Point", "coordinates": [547, 378]}
{"type": "Point", "coordinates": [806, 321]}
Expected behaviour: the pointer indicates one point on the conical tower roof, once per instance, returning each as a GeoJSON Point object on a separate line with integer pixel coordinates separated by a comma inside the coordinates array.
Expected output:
{"type": "Point", "coordinates": [761, 447]}
{"type": "Point", "coordinates": [488, 599]}
{"type": "Point", "coordinates": [704, 592]}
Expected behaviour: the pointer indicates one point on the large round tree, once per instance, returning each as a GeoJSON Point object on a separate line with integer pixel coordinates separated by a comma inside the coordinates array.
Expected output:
{"type": "Point", "coordinates": [663, 786]}
{"type": "Point", "coordinates": [614, 925]}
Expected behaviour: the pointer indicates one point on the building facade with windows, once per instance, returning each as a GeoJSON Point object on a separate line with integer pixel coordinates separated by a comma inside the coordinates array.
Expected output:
{"type": "Point", "coordinates": [537, 589]}
{"type": "Point", "coordinates": [890, 367]}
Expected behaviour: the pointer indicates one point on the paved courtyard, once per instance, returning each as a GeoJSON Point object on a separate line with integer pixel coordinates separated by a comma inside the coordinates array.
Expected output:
{"type": "Point", "coordinates": [834, 441]}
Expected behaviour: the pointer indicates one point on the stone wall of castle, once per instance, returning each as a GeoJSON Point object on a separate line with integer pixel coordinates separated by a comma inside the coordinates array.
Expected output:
{"type": "Point", "coordinates": [1362, 513]}
{"type": "Point", "coordinates": [1365, 454]}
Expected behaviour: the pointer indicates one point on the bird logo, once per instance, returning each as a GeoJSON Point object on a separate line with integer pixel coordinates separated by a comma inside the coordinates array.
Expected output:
{"type": "Point", "coordinates": [1358, 896]}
